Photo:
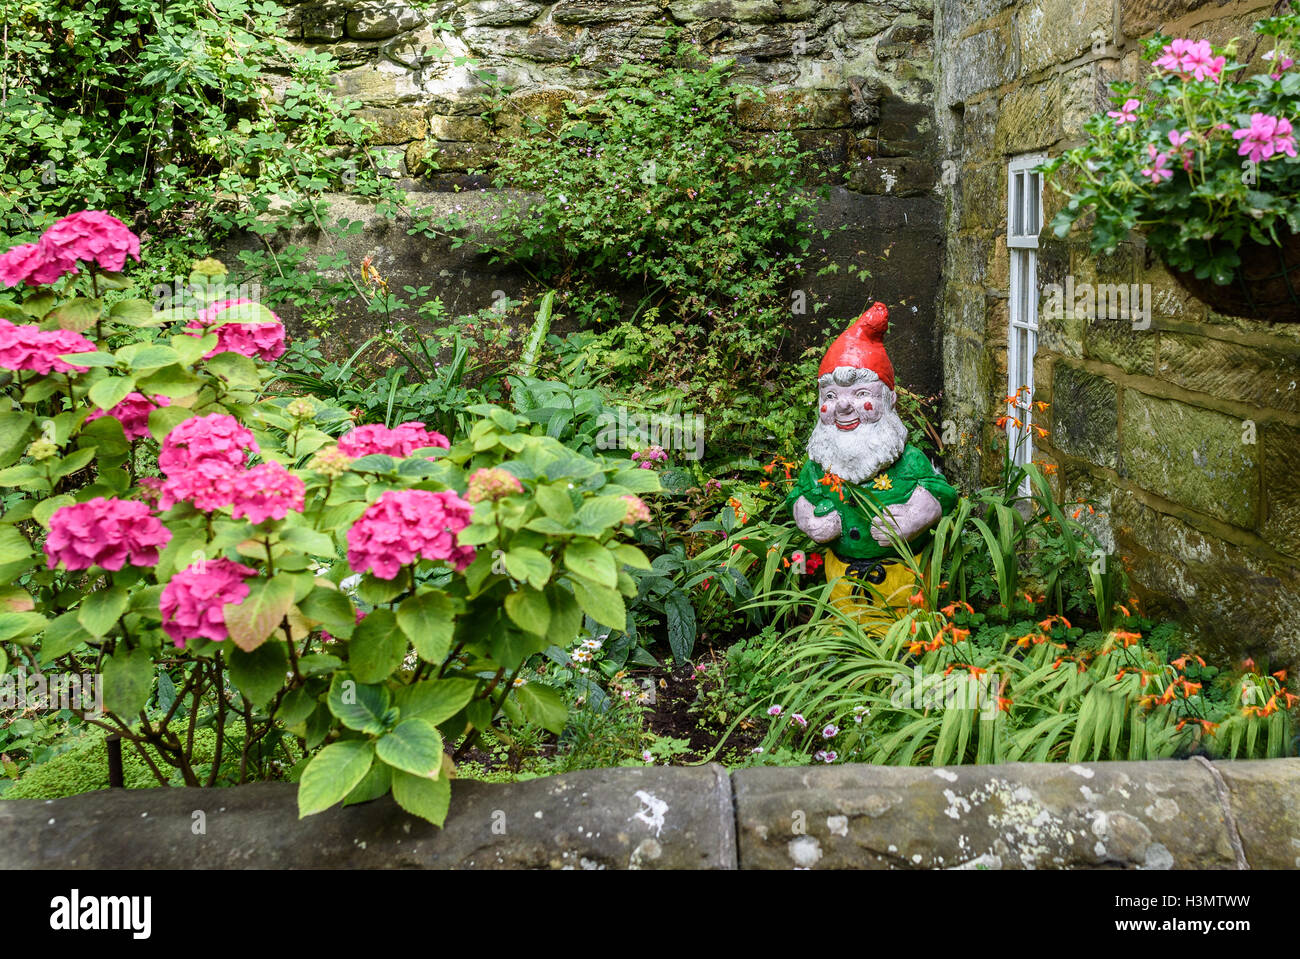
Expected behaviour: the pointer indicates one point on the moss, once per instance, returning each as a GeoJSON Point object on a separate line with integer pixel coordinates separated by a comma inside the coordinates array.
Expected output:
{"type": "Point", "coordinates": [84, 767]}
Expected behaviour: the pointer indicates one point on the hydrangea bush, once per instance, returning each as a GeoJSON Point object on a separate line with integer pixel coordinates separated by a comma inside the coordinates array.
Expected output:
{"type": "Point", "coordinates": [1201, 159]}
{"type": "Point", "coordinates": [350, 598]}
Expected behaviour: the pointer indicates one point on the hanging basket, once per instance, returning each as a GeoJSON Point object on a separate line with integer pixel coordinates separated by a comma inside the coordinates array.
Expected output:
{"type": "Point", "coordinates": [1265, 287]}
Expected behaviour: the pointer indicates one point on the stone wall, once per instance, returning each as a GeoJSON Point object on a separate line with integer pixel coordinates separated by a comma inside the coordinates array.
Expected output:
{"type": "Point", "coordinates": [852, 80]}
{"type": "Point", "coordinates": [1186, 434]}
{"type": "Point", "coordinates": [1191, 814]}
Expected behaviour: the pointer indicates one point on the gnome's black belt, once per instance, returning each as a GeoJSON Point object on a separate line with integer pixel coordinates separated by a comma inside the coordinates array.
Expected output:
{"type": "Point", "coordinates": [872, 571]}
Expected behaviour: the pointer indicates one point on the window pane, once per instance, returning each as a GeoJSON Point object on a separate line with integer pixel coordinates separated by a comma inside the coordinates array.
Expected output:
{"type": "Point", "coordinates": [1017, 204]}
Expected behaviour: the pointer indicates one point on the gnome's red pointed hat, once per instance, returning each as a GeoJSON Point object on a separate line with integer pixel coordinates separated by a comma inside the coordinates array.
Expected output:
{"type": "Point", "coordinates": [862, 346]}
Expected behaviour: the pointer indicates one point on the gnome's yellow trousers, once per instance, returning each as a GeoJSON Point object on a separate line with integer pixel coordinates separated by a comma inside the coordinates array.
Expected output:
{"type": "Point", "coordinates": [850, 595]}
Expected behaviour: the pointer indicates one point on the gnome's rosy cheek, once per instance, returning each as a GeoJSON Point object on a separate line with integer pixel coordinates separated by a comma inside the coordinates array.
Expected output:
{"type": "Point", "coordinates": [823, 407]}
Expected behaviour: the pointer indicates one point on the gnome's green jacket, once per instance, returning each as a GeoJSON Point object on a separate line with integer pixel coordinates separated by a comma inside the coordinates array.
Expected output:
{"type": "Point", "coordinates": [913, 468]}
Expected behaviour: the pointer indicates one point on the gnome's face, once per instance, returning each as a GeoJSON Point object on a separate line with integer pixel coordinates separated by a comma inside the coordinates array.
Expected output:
{"type": "Point", "coordinates": [858, 430]}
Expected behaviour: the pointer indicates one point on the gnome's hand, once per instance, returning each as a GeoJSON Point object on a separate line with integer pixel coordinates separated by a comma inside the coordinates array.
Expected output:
{"type": "Point", "coordinates": [820, 529]}
{"type": "Point", "coordinates": [919, 513]}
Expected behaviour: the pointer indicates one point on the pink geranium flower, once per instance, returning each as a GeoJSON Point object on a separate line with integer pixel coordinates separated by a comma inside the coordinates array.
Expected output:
{"type": "Point", "coordinates": [107, 533]}
{"type": "Point", "coordinates": [133, 413]}
{"type": "Point", "coordinates": [193, 602]}
{"type": "Point", "coordinates": [34, 265]}
{"type": "Point", "coordinates": [1127, 113]}
{"type": "Point", "coordinates": [1158, 172]}
{"type": "Point", "coordinates": [404, 525]}
{"type": "Point", "coordinates": [1265, 137]}
{"type": "Point", "coordinates": [92, 236]}
{"type": "Point", "coordinates": [27, 347]}
{"type": "Point", "coordinates": [1194, 59]}
{"type": "Point", "coordinates": [1283, 63]}
{"type": "Point", "coordinates": [401, 441]}
{"type": "Point", "coordinates": [262, 340]}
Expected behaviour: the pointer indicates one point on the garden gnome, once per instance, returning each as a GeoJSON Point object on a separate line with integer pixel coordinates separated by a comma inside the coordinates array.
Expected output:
{"type": "Point", "coordinates": [859, 452]}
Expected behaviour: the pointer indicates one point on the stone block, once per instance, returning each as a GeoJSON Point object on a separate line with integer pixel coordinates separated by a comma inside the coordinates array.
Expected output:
{"type": "Point", "coordinates": [382, 85]}
{"type": "Point", "coordinates": [589, 13]}
{"type": "Point", "coordinates": [382, 19]}
{"type": "Point", "coordinates": [396, 124]}
{"type": "Point", "coordinates": [1085, 415]}
{"type": "Point", "coordinates": [1116, 341]}
{"type": "Point", "coordinates": [905, 128]}
{"type": "Point", "coordinates": [325, 21]}
{"type": "Point", "coordinates": [657, 817]}
{"type": "Point", "coordinates": [1193, 456]}
{"type": "Point", "coordinates": [980, 62]}
{"type": "Point", "coordinates": [736, 11]}
{"type": "Point", "coordinates": [1139, 17]}
{"type": "Point", "coordinates": [1281, 457]}
{"type": "Point", "coordinates": [797, 109]}
{"type": "Point", "coordinates": [1265, 799]}
{"type": "Point", "coordinates": [500, 13]}
{"type": "Point", "coordinates": [1051, 32]}
{"type": "Point", "coordinates": [1016, 816]}
{"type": "Point", "coordinates": [892, 176]}
{"type": "Point", "coordinates": [1029, 117]}
{"type": "Point", "coordinates": [1248, 374]}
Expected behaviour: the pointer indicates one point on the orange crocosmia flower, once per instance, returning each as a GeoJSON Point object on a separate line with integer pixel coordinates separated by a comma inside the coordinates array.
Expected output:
{"type": "Point", "coordinates": [1280, 675]}
{"type": "Point", "coordinates": [1001, 421]}
{"type": "Point", "coordinates": [1075, 514]}
{"type": "Point", "coordinates": [1248, 663]}
{"type": "Point", "coordinates": [1023, 641]}
{"type": "Point", "coordinates": [913, 627]}
{"type": "Point", "coordinates": [959, 634]}
{"type": "Point", "coordinates": [1290, 699]}
{"type": "Point", "coordinates": [1180, 662]}
{"type": "Point", "coordinates": [917, 599]}
{"type": "Point", "coordinates": [764, 484]}
{"type": "Point", "coordinates": [1042, 407]}
{"type": "Point", "coordinates": [1124, 609]}
{"type": "Point", "coordinates": [1004, 704]}
{"type": "Point", "coordinates": [1042, 433]}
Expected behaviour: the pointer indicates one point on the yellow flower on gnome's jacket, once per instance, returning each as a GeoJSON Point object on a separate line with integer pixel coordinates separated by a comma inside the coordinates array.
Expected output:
{"type": "Point", "coordinates": [883, 482]}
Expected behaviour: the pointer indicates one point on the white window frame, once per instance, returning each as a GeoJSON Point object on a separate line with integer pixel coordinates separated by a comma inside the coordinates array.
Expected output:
{"type": "Point", "coordinates": [1024, 223]}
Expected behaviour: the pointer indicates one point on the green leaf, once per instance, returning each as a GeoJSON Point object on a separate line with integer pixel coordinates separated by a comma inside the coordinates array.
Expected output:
{"type": "Point", "coordinates": [591, 560]}
{"type": "Point", "coordinates": [527, 564]}
{"type": "Point", "coordinates": [110, 391]}
{"type": "Point", "coordinates": [332, 609]}
{"type": "Point", "coordinates": [529, 610]}
{"type": "Point", "coordinates": [61, 636]}
{"type": "Point", "coordinates": [543, 706]}
{"type": "Point", "coordinates": [252, 620]}
{"type": "Point", "coordinates": [261, 673]}
{"type": "Point", "coordinates": [100, 611]}
{"type": "Point", "coordinates": [601, 603]}
{"type": "Point", "coordinates": [427, 798]}
{"type": "Point", "coordinates": [377, 647]}
{"type": "Point", "coordinates": [681, 624]}
{"type": "Point", "coordinates": [14, 546]}
{"type": "Point", "coordinates": [376, 783]}
{"type": "Point", "coordinates": [602, 512]}
{"type": "Point", "coordinates": [295, 707]}
{"type": "Point", "coordinates": [18, 626]}
{"type": "Point", "coordinates": [141, 357]}
{"type": "Point", "coordinates": [309, 541]}
{"type": "Point", "coordinates": [128, 682]}
{"type": "Point", "coordinates": [555, 502]}
{"type": "Point", "coordinates": [165, 419]}
{"type": "Point", "coordinates": [75, 461]}
{"type": "Point", "coordinates": [629, 555]}
{"type": "Point", "coordinates": [78, 315]}
{"type": "Point", "coordinates": [359, 706]}
{"type": "Point", "coordinates": [566, 616]}
{"type": "Point", "coordinates": [435, 700]}
{"type": "Point", "coordinates": [333, 773]}
{"type": "Point", "coordinates": [428, 619]}
{"type": "Point", "coordinates": [414, 746]}
{"type": "Point", "coordinates": [14, 429]}
{"type": "Point", "coordinates": [47, 508]}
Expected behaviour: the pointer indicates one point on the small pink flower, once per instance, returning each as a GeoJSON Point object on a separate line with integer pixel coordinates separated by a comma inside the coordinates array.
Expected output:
{"type": "Point", "coordinates": [265, 492]}
{"type": "Point", "coordinates": [1158, 172]}
{"type": "Point", "coordinates": [826, 755]}
{"type": "Point", "coordinates": [830, 731]}
{"type": "Point", "coordinates": [133, 413]}
{"type": "Point", "coordinates": [799, 720]}
{"type": "Point", "coordinates": [1172, 55]}
{"type": "Point", "coordinates": [193, 602]}
{"type": "Point", "coordinates": [649, 456]}
{"type": "Point", "coordinates": [92, 236]}
{"type": "Point", "coordinates": [491, 483]}
{"type": "Point", "coordinates": [404, 525]}
{"type": "Point", "coordinates": [28, 347]}
{"type": "Point", "coordinates": [401, 441]}
{"type": "Point", "coordinates": [1127, 113]}
{"type": "Point", "coordinates": [261, 339]}
{"type": "Point", "coordinates": [1283, 63]}
{"type": "Point", "coordinates": [34, 265]}
{"type": "Point", "coordinates": [774, 710]}
{"type": "Point", "coordinates": [1265, 137]}
{"type": "Point", "coordinates": [1201, 63]}
{"type": "Point", "coordinates": [107, 533]}
{"type": "Point", "coordinates": [637, 511]}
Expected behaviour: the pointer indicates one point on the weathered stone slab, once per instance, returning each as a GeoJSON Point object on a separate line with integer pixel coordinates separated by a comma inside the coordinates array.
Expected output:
{"type": "Point", "coordinates": [1193, 456]}
{"type": "Point", "coordinates": [1015, 816]}
{"type": "Point", "coordinates": [1281, 455]}
{"type": "Point", "coordinates": [1250, 374]}
{"type": "Point", "coordinates": [1085, 416]}
{"type": "Point", "coordinates": [1264, 797]}
{"type": "Point", "coordinates": [381, 19]}
{"type": "Point", "coordinates": [656, 817]}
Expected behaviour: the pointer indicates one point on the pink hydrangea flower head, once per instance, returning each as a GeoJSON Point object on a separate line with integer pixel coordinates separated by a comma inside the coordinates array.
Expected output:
{"type": "Point", "coordinates": [401, 441]}
{"type": "Point", "coordinates": [34, 265]}
{"type": "Point", "coordinates": [637, 511]}
{"type": "Point", "coordinates": [213, 439]}
{"type": "Point", "coordinates": [262, 339]}
{"type": "Point", "coordinates": [193, 602]}
{"type": "Point", "coordinates": [1266, 136]}
{"type": "Point", "coordinates": [492, 483]}
{"type": "Point", "coordinates": [26, 346]}
{"type": "Point", "coordinates": [266, 492]}
{"type": "Point", "coordinates": [108, 533]}
{"type": "Point", "coordinates": [92, 236]}
{"type": "Point", "coordinates": [133, 413]}
{"type": "Point", "coordinates": [403, 526]}
{"type": "Point", "coordinates": [1127, 113]}
{"type": "Point", "coordinates": [208, 485]}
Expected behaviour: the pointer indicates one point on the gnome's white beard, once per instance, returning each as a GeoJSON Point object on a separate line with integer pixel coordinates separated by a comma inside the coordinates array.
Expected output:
{"type": "Point", "coordinates": [858, 454]}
